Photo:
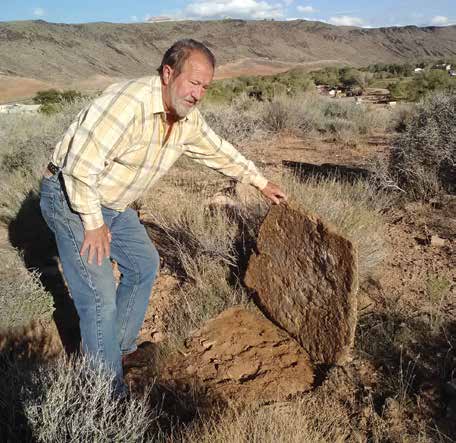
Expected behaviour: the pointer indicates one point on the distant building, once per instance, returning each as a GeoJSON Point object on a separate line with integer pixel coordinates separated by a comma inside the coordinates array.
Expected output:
{"type": "Point", "coordinates": [159, 19]}
{"type": "Point", "coordinates": [418, 70]}
{"type": "Point", "coordinates": [17, 108]}
{"type": "Point", "coordinates": [453, 73]}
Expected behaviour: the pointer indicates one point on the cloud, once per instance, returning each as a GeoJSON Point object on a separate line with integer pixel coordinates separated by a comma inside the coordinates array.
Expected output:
{"type": "Point", "coordinates": [39, 12]}
{"type": "Point", "coordinates": [440, 20]}
{"type": "Point", "coordinates": [346, 20]}
{"type": "Point", "coordinates": [306, 9]}
{"type": "Point", "coordinates": [249, 9]}
{"type": "Point", "coordinates": [134, 18]}
{"type": "Point", "coordinates": [288, 2]}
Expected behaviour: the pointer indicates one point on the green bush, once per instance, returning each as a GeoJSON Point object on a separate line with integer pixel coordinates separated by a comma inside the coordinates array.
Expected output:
{"type": "Point", "coordinates": [262, 88]}
{"type": "Point", "coordinates": [413, 89]}
{"type": "Point", "coordinates": [424, 155]}
{"type": "Point", "coordinates": [52, 96]}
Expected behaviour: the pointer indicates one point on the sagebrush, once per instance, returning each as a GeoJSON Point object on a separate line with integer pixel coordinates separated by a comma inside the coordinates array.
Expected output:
{"type": "Point", "coordinates": [423, 157]}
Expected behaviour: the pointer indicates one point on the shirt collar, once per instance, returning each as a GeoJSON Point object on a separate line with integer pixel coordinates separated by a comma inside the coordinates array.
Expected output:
{"type": "Point", "coordinates": [157, 98]}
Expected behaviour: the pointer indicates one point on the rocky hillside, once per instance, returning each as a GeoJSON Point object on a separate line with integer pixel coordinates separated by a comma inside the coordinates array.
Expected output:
{"type": "Point", "coordinates": [95, 53]}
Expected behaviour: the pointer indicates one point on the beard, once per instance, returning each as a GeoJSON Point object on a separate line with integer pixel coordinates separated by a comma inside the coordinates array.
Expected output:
{"type": "Point", "coordinates": [180, 105]}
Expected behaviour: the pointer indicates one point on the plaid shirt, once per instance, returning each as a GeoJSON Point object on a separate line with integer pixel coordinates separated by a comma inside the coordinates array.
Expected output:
{"type": "Point", "coordinates": [116, 149]}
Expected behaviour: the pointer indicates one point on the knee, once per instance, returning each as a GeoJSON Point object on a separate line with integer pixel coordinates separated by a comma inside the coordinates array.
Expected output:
{"type": "Point", "coordinates": [147, 268]}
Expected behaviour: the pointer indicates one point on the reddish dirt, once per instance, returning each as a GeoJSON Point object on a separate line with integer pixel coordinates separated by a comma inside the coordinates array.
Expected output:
{"type": "Point", "coordinates": [164, 293]}
{"type": "Point", "coordinates": [19, 88]}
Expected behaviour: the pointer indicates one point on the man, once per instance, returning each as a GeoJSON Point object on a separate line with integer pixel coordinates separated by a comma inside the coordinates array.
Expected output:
{"type": "Point", "coordinates": [116, 149]}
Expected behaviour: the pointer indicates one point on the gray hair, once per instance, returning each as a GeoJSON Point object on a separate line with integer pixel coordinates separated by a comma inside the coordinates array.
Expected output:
{"type": "Point", "coordinates": [177, 54]}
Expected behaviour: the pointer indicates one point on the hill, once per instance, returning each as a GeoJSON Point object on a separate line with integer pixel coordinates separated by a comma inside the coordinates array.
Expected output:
{"type": "Point", "coordinates": [37, 54]}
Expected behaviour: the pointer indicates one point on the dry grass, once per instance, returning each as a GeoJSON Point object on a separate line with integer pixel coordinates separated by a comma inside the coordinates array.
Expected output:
{"type": "Point", "coordinates": [198, 243]}
{"type": "Point", "coordinates": [26, 143]}
{"type": "Point", "coordinates": [290, 422]}
{"type": "Point", "coordinates": [305, 114]}
{"type": "Point", "coordinates": [353, 209]}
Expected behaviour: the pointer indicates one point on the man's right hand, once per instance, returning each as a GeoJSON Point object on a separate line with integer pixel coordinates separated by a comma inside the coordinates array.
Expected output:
{"type": "Point", "coordinates": [96, 243]}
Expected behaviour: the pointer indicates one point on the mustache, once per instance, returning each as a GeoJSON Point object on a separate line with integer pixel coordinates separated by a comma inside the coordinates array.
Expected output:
{"type": "Point", "coordinates": [191, 99]}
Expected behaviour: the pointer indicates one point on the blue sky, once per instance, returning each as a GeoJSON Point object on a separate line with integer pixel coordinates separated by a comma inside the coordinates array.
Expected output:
{"type": "Point", "coordinates": [354, 12]}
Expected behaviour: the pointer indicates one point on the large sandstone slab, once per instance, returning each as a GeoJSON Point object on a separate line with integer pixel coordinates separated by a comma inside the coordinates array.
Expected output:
{"type": "Point", "coordinates": [305, 279]}
{"type": "Point", "coordinates": [242, 356]}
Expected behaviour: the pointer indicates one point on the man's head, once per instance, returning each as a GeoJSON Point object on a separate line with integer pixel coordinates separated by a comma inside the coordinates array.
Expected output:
{"type": "Point", "coordinates": [186, 71]}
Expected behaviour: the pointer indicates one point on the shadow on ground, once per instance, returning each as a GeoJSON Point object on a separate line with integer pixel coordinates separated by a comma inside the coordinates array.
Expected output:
{"type": "Point", "coordinates": [30, 235]}
{"type": "Point", "coordinates": [350, 174]}
{"type": "Point", "coordinates": [417, 365]}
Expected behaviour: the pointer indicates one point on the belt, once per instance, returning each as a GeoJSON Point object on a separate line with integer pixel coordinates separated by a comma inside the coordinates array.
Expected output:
{"type": "Point", "coordinates": [53, 169]}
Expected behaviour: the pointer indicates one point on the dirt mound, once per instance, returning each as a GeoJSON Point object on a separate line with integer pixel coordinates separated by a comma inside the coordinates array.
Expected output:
{"type": "Point", "coordinates": [242, 356]}
{"type": "Point", "coordinates": [305, 278]}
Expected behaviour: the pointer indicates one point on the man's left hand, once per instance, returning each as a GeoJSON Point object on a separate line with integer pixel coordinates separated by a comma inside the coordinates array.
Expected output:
{"type": "Point", "coordinates": [274, 193]}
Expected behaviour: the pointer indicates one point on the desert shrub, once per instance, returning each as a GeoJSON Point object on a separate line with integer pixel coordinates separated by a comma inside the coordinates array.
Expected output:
{"type": "Point", "coordinates": [302, 114]}
{"type": "Point", "coordinates": [53, 96]}
{"type": "Point", "coordinates": [237, 122]}
{"type": "Point", "coordinates": [23, 298]}
{"type": "Point", "coordinates": [424, 155]}
{"type": "Point", "coordinates": [286, 113]}
{"type": "Point", "coordinates": [67, 400]}
{"type": "Point", "coordinates": [308, 113]}
{"type": "Point", "coordinates": [401, 117]}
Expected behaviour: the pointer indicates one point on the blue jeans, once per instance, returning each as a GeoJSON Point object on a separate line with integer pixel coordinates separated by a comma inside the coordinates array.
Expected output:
{"type": "Point", "coordinates": [109, 318]}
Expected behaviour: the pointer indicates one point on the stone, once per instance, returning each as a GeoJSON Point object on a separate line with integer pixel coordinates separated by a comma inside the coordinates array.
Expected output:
{"type": "Point", "coordinates": [437, 241]}
{"type": "Point", "coordinates": [304, 276]}
{"type": "Point", "coordinates": [243, 357]}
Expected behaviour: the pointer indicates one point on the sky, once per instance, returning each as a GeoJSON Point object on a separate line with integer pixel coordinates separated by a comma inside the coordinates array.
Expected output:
{"type": "Point", "coordinates": [351, 13]}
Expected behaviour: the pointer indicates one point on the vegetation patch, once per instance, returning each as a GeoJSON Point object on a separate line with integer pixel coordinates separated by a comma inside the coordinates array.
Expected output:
{"type": "Point", "coordinates": [423, 157]}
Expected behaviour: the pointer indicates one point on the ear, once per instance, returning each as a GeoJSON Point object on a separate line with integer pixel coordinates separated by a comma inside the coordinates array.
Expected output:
{"type": "Point", "coordinates": [167, 74]}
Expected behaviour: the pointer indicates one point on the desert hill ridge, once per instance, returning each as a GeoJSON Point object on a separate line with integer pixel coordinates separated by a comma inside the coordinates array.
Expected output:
{"type": "Point", "coordinates": [38, 54]}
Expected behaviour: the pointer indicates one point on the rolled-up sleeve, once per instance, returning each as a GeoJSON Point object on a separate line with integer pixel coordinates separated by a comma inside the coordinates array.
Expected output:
{"type": "Point", "coordinates": [100, 130]}
{"type": "Point", "coordinates": [209, 149]}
